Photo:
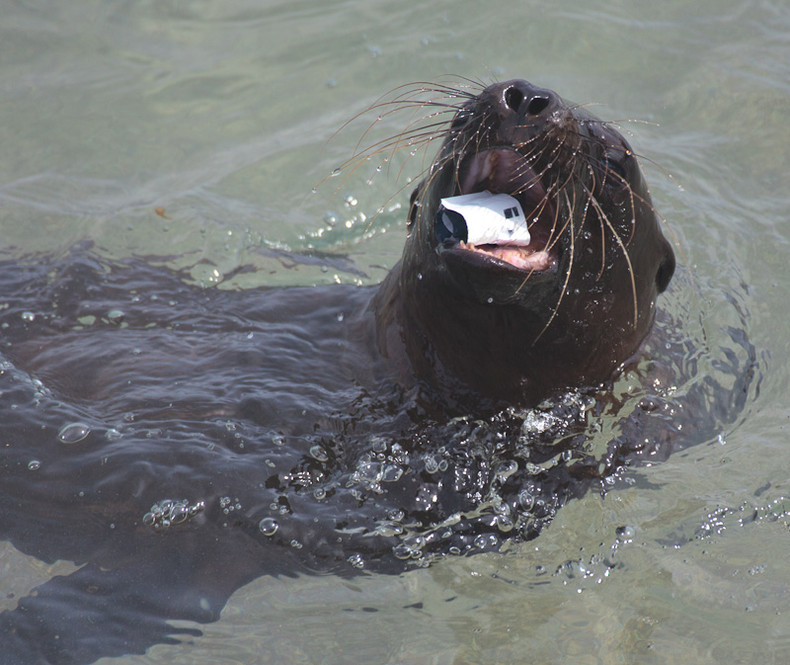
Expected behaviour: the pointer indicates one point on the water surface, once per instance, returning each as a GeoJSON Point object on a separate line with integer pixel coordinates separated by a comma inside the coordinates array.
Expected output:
{"type": "Point", "coordinates": [196, 131]}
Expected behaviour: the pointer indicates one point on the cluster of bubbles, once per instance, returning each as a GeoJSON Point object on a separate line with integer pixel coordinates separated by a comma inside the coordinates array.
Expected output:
{"type": "Point", "coordinates": [170, 512]}
{"type": "Point", "coordinates": [228, 505]}
{"type": "Point", "coordinates": [384, 463]}
{"type": "Point", "coordinates": [717, 521]}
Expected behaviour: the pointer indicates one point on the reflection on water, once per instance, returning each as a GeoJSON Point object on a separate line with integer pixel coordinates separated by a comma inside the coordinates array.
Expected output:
{"type": "Point", "coordinates": [220, 116]}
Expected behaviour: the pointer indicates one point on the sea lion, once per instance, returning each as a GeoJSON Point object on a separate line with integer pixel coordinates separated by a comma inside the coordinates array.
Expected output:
{"type": "Point", "coordinates": [518, 323]}
{"type": "Point", "coordinates": [178, 442]}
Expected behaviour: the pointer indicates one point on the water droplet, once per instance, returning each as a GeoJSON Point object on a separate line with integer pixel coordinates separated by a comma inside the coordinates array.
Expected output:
{"type": "Point", "coordinates": [28, 316]}
{"type": "Point", "coordinates": [268, 526]}
{"type": "Point", "coordinates": [73, 433]}
{"type": "Point", "coordinates": [319, 493]}
{"type": "Point", "coordinates": [34, 465]}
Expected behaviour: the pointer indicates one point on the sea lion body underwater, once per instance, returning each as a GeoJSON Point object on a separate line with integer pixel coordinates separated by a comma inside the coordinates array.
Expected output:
{"type": "Point", "coordinates": [519, 323]}
{"type": "Point", "coordinates": [197, 438]}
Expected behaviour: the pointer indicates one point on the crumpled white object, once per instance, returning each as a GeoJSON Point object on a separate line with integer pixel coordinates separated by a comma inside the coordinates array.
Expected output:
{"type": "Point", "coordinates": [489, 218]}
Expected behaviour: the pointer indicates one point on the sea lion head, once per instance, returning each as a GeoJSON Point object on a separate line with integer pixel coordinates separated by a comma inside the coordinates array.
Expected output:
{"type": "Point", "coordinates": [520, 321]}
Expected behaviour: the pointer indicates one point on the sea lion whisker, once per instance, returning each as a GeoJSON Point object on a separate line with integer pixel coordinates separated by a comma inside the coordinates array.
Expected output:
{"type": "Point", "coordinates": [605, 220]}
{"type": "Point", "coordinates": [417, 139]}
{"type": "Point", "coordinates": [555, 233]}
{"type": "Point", "coordinates": [564, 289]}
{"type": "Point", "coordinates": [413, 127]}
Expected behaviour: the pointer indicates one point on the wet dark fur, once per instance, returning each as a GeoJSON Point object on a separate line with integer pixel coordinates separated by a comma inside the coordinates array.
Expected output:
{"type": "Point", "coordinates": [233, 434]}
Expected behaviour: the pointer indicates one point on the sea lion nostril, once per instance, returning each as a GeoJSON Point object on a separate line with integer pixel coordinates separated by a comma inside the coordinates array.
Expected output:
{"type": "Point", "coordinates": [537, 104]}
{"type": "Point", "coordinates": [513, 98]}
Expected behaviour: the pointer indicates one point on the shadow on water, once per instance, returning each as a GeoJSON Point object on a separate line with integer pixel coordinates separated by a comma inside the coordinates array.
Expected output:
{"type": "Point", "coordinates": [176, 442]}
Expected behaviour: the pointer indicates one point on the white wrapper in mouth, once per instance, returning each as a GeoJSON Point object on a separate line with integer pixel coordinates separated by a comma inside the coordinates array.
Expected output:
{"type": "Point", "coordinates": [495, 219]}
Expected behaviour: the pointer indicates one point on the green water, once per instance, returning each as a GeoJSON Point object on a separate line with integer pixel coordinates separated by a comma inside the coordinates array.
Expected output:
{"type": "Point", "coordinates": [195, 132]}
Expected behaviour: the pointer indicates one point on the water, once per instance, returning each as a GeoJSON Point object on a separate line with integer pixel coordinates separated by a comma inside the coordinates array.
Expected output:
{"type": "Point", "coordinates": [196, 133]}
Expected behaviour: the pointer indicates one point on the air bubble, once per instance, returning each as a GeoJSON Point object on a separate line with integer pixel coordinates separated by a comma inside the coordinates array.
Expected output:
{"type": "Point", "coordinates": [389, 529]}
{"type": "Point", "coordinates": [73, 433]}
{"type": "Point", "coordinates": [268, 526]}
{"type": "Point", "coordinates": [486, 541]}
{"type": "Point", "coordinates": [378, 444]}
{"type": "Point", "coordinates": [34, 465]}
{"type": "Point", "coordinates": [504, 523]}
{"type": "Point", "coordinates": [391, 473]}
{"type": "Point", "coordinates": [356, 561]}
{"type": "Point", "coordinates": [506, 469]}
{"type": "Point", "coordinates": [319, 453]}
{"type": "Point", "coordinates": [431, 464]}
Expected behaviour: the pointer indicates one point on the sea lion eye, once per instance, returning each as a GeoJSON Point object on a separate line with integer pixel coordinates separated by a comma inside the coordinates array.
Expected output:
{"type": "Point", "coordinates": [461, 118]}
{"type": "Point", "coordinates": [614, 167]}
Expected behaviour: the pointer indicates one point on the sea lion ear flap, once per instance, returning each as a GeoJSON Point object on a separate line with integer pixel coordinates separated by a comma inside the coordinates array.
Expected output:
{"type": "Point", "coordinates": [414, 205]}
{"type": "Point", "coordinates": [666, 269]}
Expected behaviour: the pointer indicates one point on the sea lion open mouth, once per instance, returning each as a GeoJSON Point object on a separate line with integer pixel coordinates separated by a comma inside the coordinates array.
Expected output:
{"type": "Point", "coordinates": [505, 171]}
